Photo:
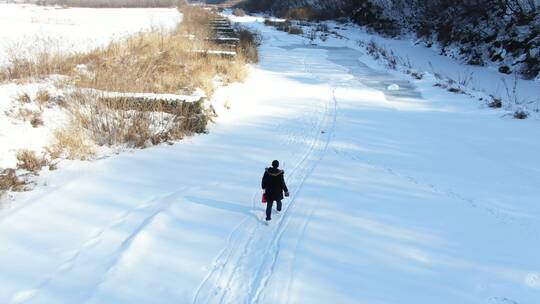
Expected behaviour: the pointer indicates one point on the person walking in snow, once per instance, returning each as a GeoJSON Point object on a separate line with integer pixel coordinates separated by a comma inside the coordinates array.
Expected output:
{"type": "Point", "coordinates": [273, 184]}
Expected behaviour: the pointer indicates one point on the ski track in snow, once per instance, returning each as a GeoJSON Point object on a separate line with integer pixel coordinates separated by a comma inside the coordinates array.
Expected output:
{"type": "Point", "coordinates": [497, 213]}
{"type": "Point", "coordinates": [321, 131]}
{"type": "Point", "coordinates": [256, 277]}
{"type": "Point", "coordinates": [150, 209]}
{"type": "Point", "coordinates": [252, 257]}
{"type": "Point", "coordinates": [277, 238]}
{"type": "Point", "coordinates": [92, 241]}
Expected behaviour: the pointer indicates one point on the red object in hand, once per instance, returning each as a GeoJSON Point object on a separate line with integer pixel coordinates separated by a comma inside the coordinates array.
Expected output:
{"type": "Point", "coordinates": [263, 198]}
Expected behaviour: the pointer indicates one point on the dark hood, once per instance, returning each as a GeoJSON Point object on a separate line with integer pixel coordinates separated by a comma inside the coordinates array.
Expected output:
{"type": "Point", "coordinates": [274, 172]}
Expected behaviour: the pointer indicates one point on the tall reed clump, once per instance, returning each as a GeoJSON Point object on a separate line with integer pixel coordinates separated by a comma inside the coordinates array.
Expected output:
{"type": "Point", "coordinates": [156, 61]}
{"type": "Point", "coordinates": [166, 62]}
{"type": "Point", "coordinates": [9, 181]}
{"type": "Point", "coordinates": [249, 44]}
{"type": "Point", "coordinates": [37, 58]}
{"type": "Point", "coordinates": [97, 119]}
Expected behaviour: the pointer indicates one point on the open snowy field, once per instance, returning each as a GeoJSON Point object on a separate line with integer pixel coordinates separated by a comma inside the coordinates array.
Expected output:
{"type": "Point", "coordinates": [28, 28]}
{"type": "Point", "coordinates": [75, 29]}
{"type": "Point", "coordinates": [402, 194]}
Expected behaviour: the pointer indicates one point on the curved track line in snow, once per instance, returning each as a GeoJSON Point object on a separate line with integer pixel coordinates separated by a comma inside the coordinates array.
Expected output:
{"type": "Point", "coordinates": [298, 180]}
{"type": "Point", "coordinates": [93, 240]}
{"type": "Point", "coordinates": [226, 253]}
{"type": "Point", "coordinates": [47, 191]}
{"type": "Point", "coordinates": [127, 243]}
{"type": "Point", "coordinates": [290, 278]}
{"type": "Point", "coordinates": [244, 251]}
{"type": "Point", "coordinates": [496, 213]}
{"type": "Point", "coordinates": [237, 276]}
{"type": "Point", "coordinates": [235, 237]}
{"type": "Point", "coordinates": [150, 209]}
{"type": "Point", "coordinates": [225, 277]}
{"type": "Point", "coordinates": [276, 242]}
{"type": "Point", "coordinates": [297, 177]}
{"type": "Point", "coordinates": [68, 263]}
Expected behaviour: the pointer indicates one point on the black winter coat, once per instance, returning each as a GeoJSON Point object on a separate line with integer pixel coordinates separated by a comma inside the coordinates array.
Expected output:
{"type": "Point", "coordinates": [273, 182]}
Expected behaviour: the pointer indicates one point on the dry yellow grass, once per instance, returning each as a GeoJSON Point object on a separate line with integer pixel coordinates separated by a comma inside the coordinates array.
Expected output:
{"type": "Point", "coordinates": [72, 143]}
{"type": "Point", "coordinates": [36, 59]}
{"type": "Point", "coordinates": [24, 98]}
{"type": "Point", "coordinates": [99, 120]}
{"type": "Point", "coordinates": [10, 181]}
{"type": "Point", "coordinates": [36, 120]}
{"type": "Point", "coordinates": [30, 161]}
{"type": "Point", "coordinates": [43, 97]}
{"type": "Point", "coordinates": [155, 61]}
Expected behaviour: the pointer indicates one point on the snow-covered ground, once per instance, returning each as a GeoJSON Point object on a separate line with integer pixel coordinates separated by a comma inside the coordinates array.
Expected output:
{"type": "Point", "coordinates": [406, 194]}
{"type": "Point", "coordinates": [75, 29]}
{"type": "Point", "coordinates": [66, 30]}
{"type": "Point", "coordinates": [516, 93]}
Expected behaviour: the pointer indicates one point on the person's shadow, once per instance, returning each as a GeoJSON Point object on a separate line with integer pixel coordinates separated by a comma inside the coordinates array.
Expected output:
{"type": "Point", "coordinates": [222, 205]}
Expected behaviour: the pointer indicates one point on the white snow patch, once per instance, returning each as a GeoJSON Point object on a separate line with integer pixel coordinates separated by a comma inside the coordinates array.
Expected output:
{"type": "Point", "coordinates": [195, 96]}
{"type": "Point", "coordinates": [24, 296]}
{"type": "Point", "coordinates": [393, 87]}
{"type": "Point", "coordinates": [75, 29]}
{"type": "Point", "coordinates": [533, 280]}
{"type": "Point", "coordinates": [67, 30]}
{"type": "Point", "coordinates": [414, 196]}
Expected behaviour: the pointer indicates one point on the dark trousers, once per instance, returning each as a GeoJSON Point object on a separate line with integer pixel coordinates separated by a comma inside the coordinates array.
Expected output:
{"type": "Point", "coordinates": [269, 204]}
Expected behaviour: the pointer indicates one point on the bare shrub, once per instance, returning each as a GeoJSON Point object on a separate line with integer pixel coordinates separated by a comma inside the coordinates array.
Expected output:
{"type": "Point", "coordinates": [24, 98]}
{"type": "Point", "coordinates": [296, 30]}
{"type": "Point", "coordinates": [249, 44]}
{"type": "Point", "coordinates": [28, 160]}
{"type": "Point", "coordinates": [36, 59]}
{"type": "Point", "coordinates": [520, 114]}
{"type": "Point", "coordinates": [279, 25]}
{"type": "Point", "coordinates": [465, 79]}
{"type": "Point", "coordinates": [274, 23]}
{"type": "Point", "coordinates": [455, 90]}
{"type": "Point", "coordinates": [312, 35]}
{"type": "Point", "coordinates": [43, 97]}
{"type": "Point", "coordinates": [10, 182]}
{"type": "Point", "coordinates": [416, 74]}
{"type": "Point", "coordinates": [495, 102]}
{"type": "Point", "coordinates": [285, 26]}
{"type": "Point", "coordinates": [98, 119]}
{"type": "Point", "coordinates": [53, 166]}
{"type": "Point", "coordinates": [71, 143]}
{"type": "Point", "coordinates": [239, 12]}
{"type": "Point", "coordinates": [322, 27]}
{"type": "Point", "coordinates": [302, 13]}
{"type": "Point", "coordinates": [380, 52]}
{"type": "Point", "coordinates": [36, 120]}
{"type": "Point", "coordinates": [512, 95]}
{"type": "Point", "coordinates": [26, 115]}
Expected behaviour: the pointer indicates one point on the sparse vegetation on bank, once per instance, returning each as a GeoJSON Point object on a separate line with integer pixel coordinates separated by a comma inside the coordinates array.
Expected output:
{"type": "Point", "coordinates": [100, 88]}
{"type": "Point", "coordinates": [155, 61]}
{"type": "Point", "coordinates": [284, 26]}
{"type": "Point", "coordinates": [496, 32]}
{"type": "Point", "coordinates": [9, 181]}
{"type": "Point", "coordinates": [98, 120]}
